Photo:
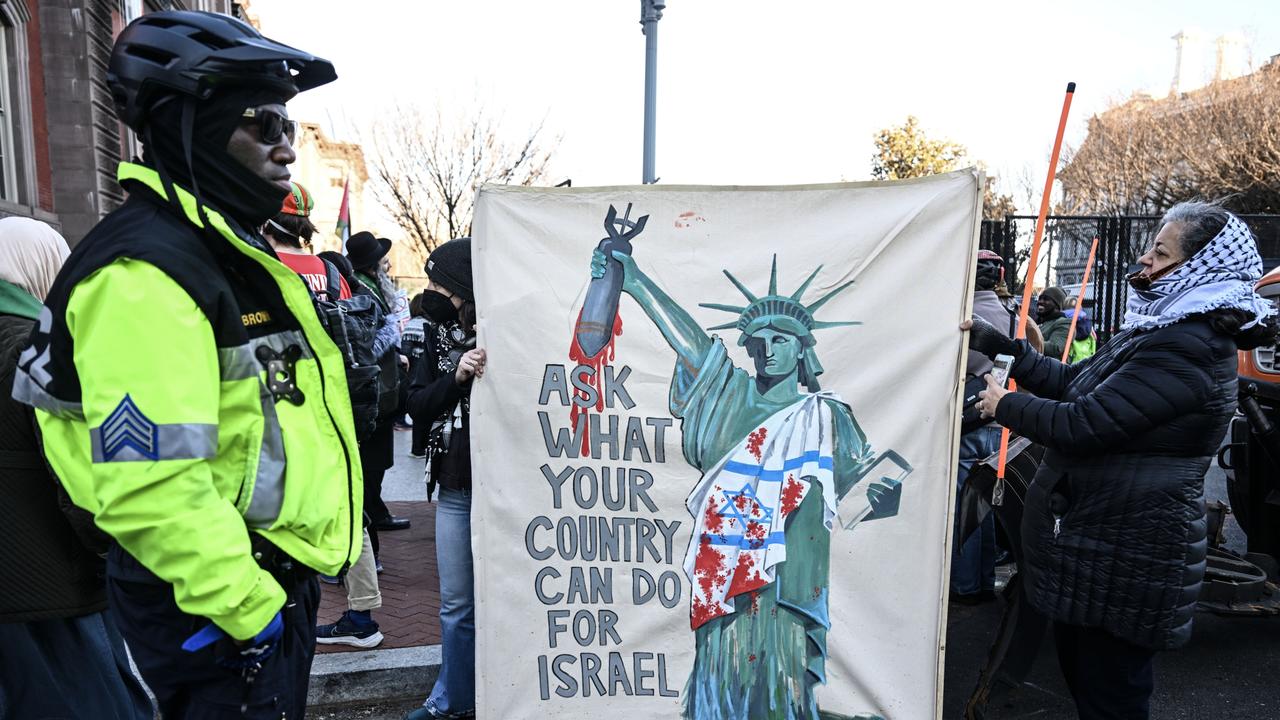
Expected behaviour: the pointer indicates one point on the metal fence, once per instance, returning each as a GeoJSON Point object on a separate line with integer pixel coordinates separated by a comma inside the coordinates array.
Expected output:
{"type": "Point", "coordinates": [1121, 241]}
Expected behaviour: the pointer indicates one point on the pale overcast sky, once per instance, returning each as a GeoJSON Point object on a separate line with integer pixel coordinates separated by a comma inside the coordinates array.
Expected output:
{"type": "Point", "coordinates": [755, 92]}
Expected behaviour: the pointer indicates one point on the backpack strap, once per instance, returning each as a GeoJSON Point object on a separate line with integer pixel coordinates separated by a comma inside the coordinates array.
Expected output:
{"type": "Point", "coordinates": [332, 285]}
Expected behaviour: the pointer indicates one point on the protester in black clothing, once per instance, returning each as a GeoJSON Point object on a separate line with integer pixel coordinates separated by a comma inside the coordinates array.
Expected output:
{"type": "Point", "coordinates": [1114, 524]}
{"type": "Point", "coordinates": [412, 346]}
{"type": "Point", "coordinates": [368, 256]}
{"type": "Point", "coordinates": [439, 398]}
{"type": "Point", "coordinates": [60, 652]}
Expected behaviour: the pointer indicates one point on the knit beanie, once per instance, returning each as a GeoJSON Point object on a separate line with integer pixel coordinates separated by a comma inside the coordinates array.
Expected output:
{"type": "Point", "coordinates": [449, 266]}
{"type": "Point", "coordinates": [1057, 295]}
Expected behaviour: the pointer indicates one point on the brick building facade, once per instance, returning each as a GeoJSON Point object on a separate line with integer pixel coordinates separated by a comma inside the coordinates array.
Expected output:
{"type": "Point", "coordinates": [60, 141]}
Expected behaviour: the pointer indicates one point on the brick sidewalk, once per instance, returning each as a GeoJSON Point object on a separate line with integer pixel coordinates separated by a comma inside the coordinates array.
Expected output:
{"type": "Point", "coordinates": [410, 585]}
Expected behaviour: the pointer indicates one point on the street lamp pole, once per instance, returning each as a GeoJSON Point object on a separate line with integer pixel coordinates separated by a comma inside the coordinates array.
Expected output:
{"type": "Point", "coordinates": [650, 14]}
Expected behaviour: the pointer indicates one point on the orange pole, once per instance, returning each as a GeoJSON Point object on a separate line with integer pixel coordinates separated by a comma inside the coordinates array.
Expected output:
{"type": "Point", "coordinates": [1035, 256]}
{"type": "Point", "coordinates": [1084, 286]}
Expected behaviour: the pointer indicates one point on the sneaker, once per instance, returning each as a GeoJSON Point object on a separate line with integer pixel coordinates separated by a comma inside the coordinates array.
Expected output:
{"type": "Point", "coordinates": [349, 632]}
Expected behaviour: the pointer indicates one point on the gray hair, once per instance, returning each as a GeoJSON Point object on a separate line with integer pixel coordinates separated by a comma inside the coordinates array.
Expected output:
{"type": "Point", "coordinates": [1200, 221]}
{"type": "Point", "coordinates": [386, 286]}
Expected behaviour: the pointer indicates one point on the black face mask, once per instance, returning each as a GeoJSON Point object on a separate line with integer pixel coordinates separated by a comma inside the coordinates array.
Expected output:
{"type": "Point", "coordinates": [438, 307]}
{"type": "Point", "coordinates": [222, 181]}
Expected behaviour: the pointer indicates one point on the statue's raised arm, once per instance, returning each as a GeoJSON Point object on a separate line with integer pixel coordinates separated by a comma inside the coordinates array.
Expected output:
{"type": "Point", "coordinates": [681, 331]}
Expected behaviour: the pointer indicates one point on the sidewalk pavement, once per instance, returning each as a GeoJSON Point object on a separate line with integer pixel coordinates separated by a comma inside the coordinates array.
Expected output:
{"type": "Point", "coordinates": [408, 660]}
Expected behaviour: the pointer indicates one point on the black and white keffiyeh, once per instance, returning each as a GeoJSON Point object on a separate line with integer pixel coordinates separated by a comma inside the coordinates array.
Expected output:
{"type": "Point", "coordinates": [1220, 276]}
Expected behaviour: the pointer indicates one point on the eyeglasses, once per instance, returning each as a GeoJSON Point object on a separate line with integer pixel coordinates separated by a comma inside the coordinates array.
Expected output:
{"type": "Point", "coordinates": [272, 125]}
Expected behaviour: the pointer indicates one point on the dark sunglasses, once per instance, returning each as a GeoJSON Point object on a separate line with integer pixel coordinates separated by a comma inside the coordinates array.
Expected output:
{"type": "Point", "coordinates": [271, 125]}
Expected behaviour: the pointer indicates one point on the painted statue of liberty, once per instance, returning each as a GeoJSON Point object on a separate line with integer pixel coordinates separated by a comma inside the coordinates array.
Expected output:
{"type": "Point", "coordinates": [775, 462]}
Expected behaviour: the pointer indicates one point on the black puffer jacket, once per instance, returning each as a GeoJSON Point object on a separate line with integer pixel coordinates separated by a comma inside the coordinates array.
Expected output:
{"type": "Point", "coordinates": [48, 566]}
{"type": "Point", "coordinates": [1114, 525]}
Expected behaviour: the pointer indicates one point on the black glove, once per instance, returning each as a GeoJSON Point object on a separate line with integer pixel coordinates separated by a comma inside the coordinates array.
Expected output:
{"type": "Point", "coordinates": [986, 339]}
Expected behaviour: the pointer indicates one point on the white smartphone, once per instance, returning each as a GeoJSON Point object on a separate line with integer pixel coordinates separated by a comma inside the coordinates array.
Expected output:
{"type": "Point", "coordinates": [1000, 369]}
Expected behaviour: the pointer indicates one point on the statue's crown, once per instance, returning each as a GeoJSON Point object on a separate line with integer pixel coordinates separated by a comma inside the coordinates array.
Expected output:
{"type": "Point", "coordinates": [760, 310]}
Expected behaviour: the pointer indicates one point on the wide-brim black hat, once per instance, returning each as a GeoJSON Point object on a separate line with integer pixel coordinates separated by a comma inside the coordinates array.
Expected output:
{"type": "Point", "coordinates": [364, 250]}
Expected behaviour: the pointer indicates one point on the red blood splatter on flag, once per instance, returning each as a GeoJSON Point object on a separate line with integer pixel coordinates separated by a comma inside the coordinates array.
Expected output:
{"type": "Point", "coordinates": [745, 577]}
{"type": "Point", "coordinates": [702, 613]}
{"type": "Point", "coordinates": [712, 517]}
{"type": "Point", "coordinates": [755, 440]}
{"type": "Point", "coordinates": [579, 357]}
{"type": "Point", "coordinates": [792, 494]}
{"type": "Point", "coordinates": [711, 571]}
{"type": "Point", "coordinates": [709, 566]}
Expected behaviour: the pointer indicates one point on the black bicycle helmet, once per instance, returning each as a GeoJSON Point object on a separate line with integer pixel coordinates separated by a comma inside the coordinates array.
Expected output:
{"type": "Point", "coordinates": [193, 53]}
{"type": "Point", "coordinates": [990, 270]}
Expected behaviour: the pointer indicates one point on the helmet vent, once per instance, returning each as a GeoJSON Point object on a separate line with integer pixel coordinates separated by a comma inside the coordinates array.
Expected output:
{"type": "Point", "coordinates": [208, 39]}
{"type": "Point", "coordinates": [151, 54]}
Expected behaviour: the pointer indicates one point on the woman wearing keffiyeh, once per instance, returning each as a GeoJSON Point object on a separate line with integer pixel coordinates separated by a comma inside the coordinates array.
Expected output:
{"type": "Point", "coordinates": [1114, 522]}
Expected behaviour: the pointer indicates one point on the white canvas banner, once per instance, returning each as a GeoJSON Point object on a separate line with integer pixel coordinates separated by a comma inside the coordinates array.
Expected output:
{"type": "Point", "coordinates": [714, 447]}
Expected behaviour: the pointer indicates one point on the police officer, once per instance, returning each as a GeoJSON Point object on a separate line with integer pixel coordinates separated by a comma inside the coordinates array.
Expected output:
{"type": "Point", "coordinates": [187, 394]}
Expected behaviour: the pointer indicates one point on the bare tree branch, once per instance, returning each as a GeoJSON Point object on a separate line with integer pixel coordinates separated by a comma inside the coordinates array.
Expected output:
{"type": "Point", "coordinates": [427, 168]}
{"type": "Point", "coordinates": [1221, 142]}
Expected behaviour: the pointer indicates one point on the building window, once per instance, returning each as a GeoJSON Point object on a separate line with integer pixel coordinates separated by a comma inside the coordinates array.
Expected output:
{"type": "Point", "coordinates": [8, 168]}
{"type": "Point", "coordinates": [130, 10]}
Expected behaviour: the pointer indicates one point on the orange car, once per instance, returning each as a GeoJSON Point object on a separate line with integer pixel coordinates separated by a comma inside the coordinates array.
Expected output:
{"type": "Point", "coordinates": [1252, 459]}
{"type": "Point", "coordinates": [1260, 364]}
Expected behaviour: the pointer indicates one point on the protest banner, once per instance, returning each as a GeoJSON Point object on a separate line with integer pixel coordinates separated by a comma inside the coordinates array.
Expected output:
{"type": "Point", "coordinates": [714, 448]}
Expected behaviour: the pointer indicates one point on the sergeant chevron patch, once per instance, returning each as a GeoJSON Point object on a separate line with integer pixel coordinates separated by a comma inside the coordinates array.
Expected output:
{"type": "Point", "coordinates": [127, 427]}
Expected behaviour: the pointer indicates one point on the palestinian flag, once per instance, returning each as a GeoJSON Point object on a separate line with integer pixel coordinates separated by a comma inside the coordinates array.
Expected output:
{"type": "Point", "coordinates": [343, 230]}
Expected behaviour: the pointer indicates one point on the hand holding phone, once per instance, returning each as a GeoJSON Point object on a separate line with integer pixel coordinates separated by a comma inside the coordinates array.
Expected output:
{"type": "Point", "coordinates": [1000, 369]}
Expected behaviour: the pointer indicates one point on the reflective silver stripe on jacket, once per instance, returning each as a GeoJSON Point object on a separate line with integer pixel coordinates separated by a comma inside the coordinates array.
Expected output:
{"type": "Point", "coordinates": [268, 485]}
{"type": "Point", "coordinates": [28, 392]}
{"type": "Point", "coordinates": [186, 441]}
{"type": "Point", "coordinates": [240, 362]}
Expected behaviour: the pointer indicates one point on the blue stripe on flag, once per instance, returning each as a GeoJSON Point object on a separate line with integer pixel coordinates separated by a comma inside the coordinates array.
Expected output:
{"type": "Point", "coordinates": [746, 543]}
{"type": "Point", "coordinates": [738, 468]}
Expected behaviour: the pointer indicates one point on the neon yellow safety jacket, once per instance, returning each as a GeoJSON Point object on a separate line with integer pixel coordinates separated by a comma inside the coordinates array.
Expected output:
{"type": "Point", "coordinates": [149, 371]}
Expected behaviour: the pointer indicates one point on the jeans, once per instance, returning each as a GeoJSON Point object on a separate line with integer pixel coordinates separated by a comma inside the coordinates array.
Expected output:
{"type": "Point", "coordinates": [973, 559]}
{"type": "Point", "coordinates": [68, 668]}
{"type": "Point", "coordinates": [455, 689]}
{"type": "Point", "coordinates": [1109, 678]}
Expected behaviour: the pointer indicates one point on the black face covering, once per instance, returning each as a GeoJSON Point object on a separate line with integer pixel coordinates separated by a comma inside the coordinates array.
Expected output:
{"type": "Point", "coordinates": [222, 181]}
{"type": "Point", "coordinates": [438, 307]}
